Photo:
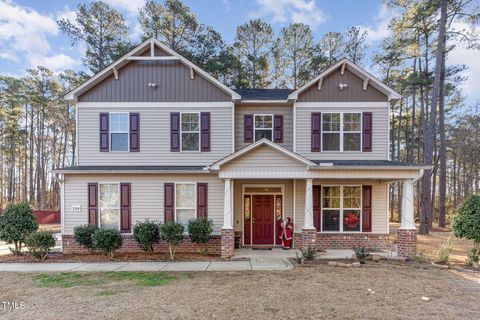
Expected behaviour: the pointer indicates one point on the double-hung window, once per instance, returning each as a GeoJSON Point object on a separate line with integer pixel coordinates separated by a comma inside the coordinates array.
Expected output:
{"type": "Point", "coordinates": [190, 125]}
{"type": "Point", "coordinates": [185, 200]}
{"type": "Point", "coordinates": [119, 127]}
{"type": "Point", "coordinates": [341, 208]}
{"type": "Point", "coordinates": [341, 131]}
{"type": "Point", "coordinates": [109, 205]}
{"type": "Point", "coordinates": [263, 126]}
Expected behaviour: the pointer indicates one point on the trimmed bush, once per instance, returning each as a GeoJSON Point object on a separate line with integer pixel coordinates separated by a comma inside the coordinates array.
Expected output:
{"type": "Point", "coordinates": [39, 243]}
{"type": "Point", "coordinates": [107, 241]}
{"type": "Point", "coordinates": [172, 233]}
{"type": "Point", "coordinates": [310, 253]}
{"type": "Point", "coordinates": [361, 254]}
{"type": "Point", "coordinates": [466, 223]}
{"type": "Point", "coordinates": [200, 230]}
{"type": "Point", "coordinates": [16, 223]}
{"type": "Point", "coordinates": [147, 234]}
{"type": "Point", "coordinates": [83, 236]}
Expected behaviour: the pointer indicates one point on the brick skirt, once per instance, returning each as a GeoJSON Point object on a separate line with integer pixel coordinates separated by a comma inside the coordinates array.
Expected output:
{"type": "Point", "coordinates": [347, 240]}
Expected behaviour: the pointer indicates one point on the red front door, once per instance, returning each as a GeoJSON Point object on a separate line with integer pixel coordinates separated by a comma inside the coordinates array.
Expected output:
{"type": "Point", "coordinates": [263, 219]}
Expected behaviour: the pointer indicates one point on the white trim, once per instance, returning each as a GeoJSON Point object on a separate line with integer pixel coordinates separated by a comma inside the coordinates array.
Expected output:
{"type": "Point", "coordinates": [264, 101]}
{"type": "Point", "coordinates": [341, 209]}
{"type": "Point", "coordinates": [233, 128]}
{"type": "Point", "coordinates": [264, 129]}
{"type": "Point", "coordinates": [76, 162]}
{"type": "Point", "coordinates": [342, 132]}
{"type": "Point", "coordinates": [185, 208]}
{"type": "Point", "coordinates": [150, 58]}
{"type": "Point", "coordinates": [294, 127]}
{"type": "Point", "coordinates": [61, 179]}
{"type": "Point", "coordinates": [99, 224]}
{"type": "Point", "coordinates": [198, 132]}
{"type": "Point", "coordinates": [131, 105]}
{"type": "Point", "coordinates": [294, 207]}
{"type": "Point", "coordinates": [336, 105]}
{"type": "Point", "coordinates": [110, 131]}
{"type": "Point", "coordinates": [391, 94]}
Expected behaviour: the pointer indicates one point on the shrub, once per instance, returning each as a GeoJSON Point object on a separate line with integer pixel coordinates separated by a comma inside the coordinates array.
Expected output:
{"type": "Point", "coordinates": [466, 223]}
{"type": "Point", "coordinates": [473, 257]}
{"type": "Point", "coordinates": [83, 236]}
{"type": "Point", "coordinates": [310, 253]}
{"type": "Point", "coordinates": [361, 254]}
{"type": "Point", "coordinates": [443, 253]}
{"type": "Point", "coordinates": [146, 234]}
{"type": "Point", "coordinates": [16, 223]}
{"type": "Point", "coordinates": [107, 240]}
{"type": "Point", "coordinates": [38, 244]}
{"type": "Point", "coordinates": [172, 233]}
{"type": "Point", "coordinates": [200, 230]}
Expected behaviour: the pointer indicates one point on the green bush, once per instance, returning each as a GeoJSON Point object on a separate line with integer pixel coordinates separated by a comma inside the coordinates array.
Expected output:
{"type": "Point", "coordinates": [361, 254]}
{"type": "Point", "coordinates": [107, 240]}
{"type": "Point", "coordinates": [466, 223]}
{"type": "Point", "coordinates": [310, 253]}
{"type": "Point", "coordinates": [16, 224]}
{"type": "Point", "coordinates": [83, 236]}
{"type": "Point", "coordinates": [146, 234]}
{"type": "Point", "coordinates": [38, 244]}
{"type": "Point", "coordinates": [172, 233]}
{"type": "Point", "coordinates": [200, 230]}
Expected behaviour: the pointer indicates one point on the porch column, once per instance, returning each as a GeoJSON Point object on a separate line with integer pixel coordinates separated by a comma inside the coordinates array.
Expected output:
{"type": "Point", "coordinates": [228, 234]}
{"type": "Point", "coordinates": [407, 233]}
{"type": "Point", "coordinates": [309, 233]}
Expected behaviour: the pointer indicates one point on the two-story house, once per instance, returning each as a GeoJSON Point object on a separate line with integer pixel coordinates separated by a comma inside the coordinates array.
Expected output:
{"type": "Point", "coordinates": [158, 138]}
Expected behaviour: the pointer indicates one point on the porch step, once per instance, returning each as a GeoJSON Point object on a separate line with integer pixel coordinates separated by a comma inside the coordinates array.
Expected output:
{"type": "Point", "coordinates": [262, 248]}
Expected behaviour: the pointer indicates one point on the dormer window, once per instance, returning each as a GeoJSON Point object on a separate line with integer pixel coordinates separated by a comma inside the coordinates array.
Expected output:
{"type": "Point", "coordinates": [263, 126]}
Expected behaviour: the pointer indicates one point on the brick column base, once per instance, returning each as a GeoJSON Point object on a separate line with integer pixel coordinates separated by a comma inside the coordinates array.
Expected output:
{"type": "Point", "coordinates": [406, 242]}
{"type": "Point", "coordinates": [309, 238]}
{"type": "Point", "coordinates": [227, 243]}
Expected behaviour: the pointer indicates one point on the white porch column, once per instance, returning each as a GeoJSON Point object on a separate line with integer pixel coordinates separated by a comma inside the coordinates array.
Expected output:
{"type": "Point", "coordinates": [408, 220]}
{"type": "Point", "coordinates": [227, 213]}
{"type": "Point", "coordinates": [308, 220]}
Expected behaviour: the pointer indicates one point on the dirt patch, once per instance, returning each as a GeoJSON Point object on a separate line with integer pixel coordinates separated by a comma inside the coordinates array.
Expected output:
{"type": "Point", "coordinates": [318, 292]}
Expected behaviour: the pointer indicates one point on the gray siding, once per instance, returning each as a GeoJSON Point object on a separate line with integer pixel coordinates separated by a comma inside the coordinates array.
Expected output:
{"type": "Point", "coordinates": [172, 78]}
{"type": "Point", "coordinates": [154, 135]}
{"type": "Point", "coordinates": [147, 196]}
{"type": "Point", "coordinates": [330, 91]}
{"type": "Point", "coordinates": [286, 111]}
{"type": "Point", "coordinates": [379, 130]}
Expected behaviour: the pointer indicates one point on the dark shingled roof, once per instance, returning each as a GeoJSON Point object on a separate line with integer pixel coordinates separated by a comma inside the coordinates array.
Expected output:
{"type": "Point", "coordinates": [264, 94]}
{"type": "Point", "coordinates": [131, 168]}
{"type": "Point", "coordinates": [385, 163]}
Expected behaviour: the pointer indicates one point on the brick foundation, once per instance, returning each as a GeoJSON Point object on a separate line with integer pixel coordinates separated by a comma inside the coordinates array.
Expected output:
{"type": "Point", "coordinates": [406, 242]}
{"type": "Point", "coordinates": [227, 243]}
{"type": "Point", "coordinates": [130, 245]}
{"type": "Point", "coordinates": [342, 241]}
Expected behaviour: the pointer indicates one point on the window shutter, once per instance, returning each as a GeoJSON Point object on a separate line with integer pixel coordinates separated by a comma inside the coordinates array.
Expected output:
{"type": "Point", "coordinates": [248, 128]}
{"type": "Point", "coordinates": [317, 204]}
{"type": "Point", "coordinates": [205, 131]}
{"type": "Point", "coordinates": [202, 200]}
{"type": "Point", "coordinates": [125, 207]}
{"type": "Point", "coordinates": [104, 132]}
{"type": "Point", "coordinates": [93, 203]}
{"type": "Point", "coordinates": [367, 209]}
{"type": "Point", "coordinates": [278, 128]}
{"type": "Point", "coordinates": [367, 131]}
{"type": "Point", "coordinates": [175, 131]}
{"type": "Point", "coordinates": [169, 202]}
{"type": "Point", "coordinates": [316, 132]}
{"type": "Point", "coordinates": [134, 132]}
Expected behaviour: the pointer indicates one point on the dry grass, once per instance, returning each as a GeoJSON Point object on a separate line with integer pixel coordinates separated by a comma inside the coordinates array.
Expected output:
{"type": "Point", "coordinates": [319, 292]}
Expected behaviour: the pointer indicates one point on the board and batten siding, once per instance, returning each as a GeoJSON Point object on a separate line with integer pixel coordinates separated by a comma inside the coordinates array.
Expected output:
{"type": "Point", "coordinates": [147, 200]}
{"type": "Point", "coordinates": [379, 202]}
{"type": "Point", "coordinates": [173, 85]}
{"type": "Point", "coordinates": [286, 111]}
{"type": "Point", "coordinates": [154, 134]}
{"type": "Point", "coordinates": [380, 130]}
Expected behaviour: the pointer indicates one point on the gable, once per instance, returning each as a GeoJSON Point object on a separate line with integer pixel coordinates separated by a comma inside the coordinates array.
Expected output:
{"type": "Point", "coordinates": [330, 91]}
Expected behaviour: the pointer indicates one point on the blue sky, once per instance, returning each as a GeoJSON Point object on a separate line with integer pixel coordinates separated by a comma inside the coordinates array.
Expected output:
{"type": "Point", "coordinates": [29, 35]}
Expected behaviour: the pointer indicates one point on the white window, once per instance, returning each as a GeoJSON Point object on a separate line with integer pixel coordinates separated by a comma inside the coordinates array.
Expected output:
{"type": "Point", "coordinates": [341, 208]}
{"type": "Point", "coordinates": [263, 126]}
{"type": "Point", "coordinates": [190, 127]}
{"type": "Point", "coordinates": [109, 205]}
{"type": "Point", "coordinates": [119, 127]}
{"type": "Point", "coordinates": [185, 202]}
{"type": "Point", "coordinates": [341, 131]}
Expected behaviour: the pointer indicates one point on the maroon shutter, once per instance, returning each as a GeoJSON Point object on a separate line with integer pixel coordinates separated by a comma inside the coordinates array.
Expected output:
{"type": "Point", "coordinates": [278, 128]}
{"type": "Point", "coordinates": [93, 203]}
{"type": "Point", "coordinates": [125, 207]}
{"type": "Point", "coordinates": [202, 200]}
{"type": "Point", "coordinates": [317, 204]}
{"type": "Point", "coordinates": [134, 132]}
{"type": "Point", "coordinates": [367, 209]}
{"type": "Point", "coordinates": [169, 202]}
{"type": "Point", "coordinates": [367, 131]}
{"type": "Point", "coordinates": [175, 131]}
{"type": "Point", "coordinates": [248, 128]}
{"type": "Point", "coordinates": [104, 132]}
{"type": "Point", "coordinates": [205, 131]}
{"type": "Point", "coordinates": [316, 132]}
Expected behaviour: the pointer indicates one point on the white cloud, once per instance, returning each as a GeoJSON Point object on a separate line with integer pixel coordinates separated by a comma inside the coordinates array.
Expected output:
{"type": "Point", "coordinates": [379, 30]}
{"type": "Point", "coordinates": [131, 6]}
{"type": "Point", "coordinates": [57, 62]}
{"type": "Point", "coordinates": [285, 11]}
